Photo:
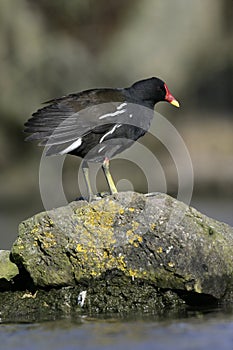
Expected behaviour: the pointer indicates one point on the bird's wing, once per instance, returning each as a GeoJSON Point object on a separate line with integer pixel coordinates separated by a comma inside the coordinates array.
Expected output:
{"type": "Point", "coordinates": [73, 116]}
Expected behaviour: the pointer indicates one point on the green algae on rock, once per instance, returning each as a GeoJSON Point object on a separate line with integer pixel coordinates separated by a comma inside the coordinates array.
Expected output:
{"type": "Point", "coordinates": [8, 270]}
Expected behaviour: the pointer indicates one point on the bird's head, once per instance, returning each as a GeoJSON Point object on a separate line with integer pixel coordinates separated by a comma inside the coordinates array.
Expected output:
{"type": "Point", "coordinates": [153, 90]}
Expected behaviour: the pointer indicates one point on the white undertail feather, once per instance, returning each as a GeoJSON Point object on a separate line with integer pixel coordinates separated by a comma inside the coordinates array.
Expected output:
{"type": "Point", "coordinates": [73, 146]}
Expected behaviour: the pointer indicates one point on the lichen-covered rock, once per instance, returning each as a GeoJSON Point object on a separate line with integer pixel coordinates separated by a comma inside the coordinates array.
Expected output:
{"type": "Point", "coordinates": [154, 238]}
{"type": "Point", "coordinates": [8, 270]}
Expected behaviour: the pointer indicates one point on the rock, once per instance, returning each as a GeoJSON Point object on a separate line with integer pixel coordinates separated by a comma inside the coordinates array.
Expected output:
{"type": "Point", "coordinates": [154, 238]}
{"type": "Point", "coordinates": [124, 253]}
{"type": "Point", "coordinates": [8, 270]}
{"type": "Point", "coordinates": [101, 297]}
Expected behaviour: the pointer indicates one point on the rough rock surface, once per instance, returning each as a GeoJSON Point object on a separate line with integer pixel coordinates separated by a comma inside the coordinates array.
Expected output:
{"type": "Point", "coordinates": [8, 270]}
{"type": "Point", "coordinates": [123, 252]}
{"type": "Point", "coordinates": [154, 238]}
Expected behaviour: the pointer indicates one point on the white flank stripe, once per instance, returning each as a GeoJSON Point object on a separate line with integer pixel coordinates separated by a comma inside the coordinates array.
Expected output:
{"type": "Point", "coordinates": [71, 147]}
{"type": "Point", "coordinates": [110, 132]}
{"type": "Point", "coordinates": [122, 105]}
{"type": "Point", "coordinates": [101, 149]}
{"type": "Point", "coordinates": [113, 114]}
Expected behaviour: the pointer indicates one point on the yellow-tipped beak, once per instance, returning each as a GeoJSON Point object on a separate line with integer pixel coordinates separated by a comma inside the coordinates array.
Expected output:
{"type": "Point", "coordinates": [175, 103]}
{"type": "Point", "coordinates": [169, 98]}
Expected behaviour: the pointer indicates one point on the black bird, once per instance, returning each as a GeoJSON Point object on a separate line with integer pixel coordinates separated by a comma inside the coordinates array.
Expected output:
{"type": "Point", "coordinates": [97, 124]}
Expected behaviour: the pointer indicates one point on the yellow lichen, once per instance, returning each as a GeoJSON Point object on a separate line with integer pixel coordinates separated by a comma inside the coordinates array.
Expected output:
{"type": "Point", "coordinates": [95, 259]}
{"type": "Point", "coordinates": [98, 216]}
{"type": "Point", "coordinates": [46, 238]}
{"type": "Point", "coordinates": [35, 229]}
{"type": "Point", "coordinates": [140, 239]}
{"type": "Point", "coordinates": [159, 250]}
{"type": "Point", "coordinates": [50, 221]}
{"type": "Point", "coordinates": [95, 248]}
{"type": "Point", "coordinates": [132, 272]}
{"type": "Point", "coordinates": [131, 209]}
{"type": "Point", "coordinates": [49, 235]}
{"type": "Point", "coordinates": [136, 273]}
{"type": "Point", "coordinates": [121, 262]}
{"type": "Point", "coordinates": [132, 237]}
{"type": "Point", "coordinates": [171, 264]}
{"type": "Point", "coordinates": [80, 248]}
{"type": "Point", "coordinates": [152, 226]}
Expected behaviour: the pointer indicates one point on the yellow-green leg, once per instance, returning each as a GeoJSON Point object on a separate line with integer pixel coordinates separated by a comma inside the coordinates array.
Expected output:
{"type": "Point", "coordinates": [108, 176]}
{"type": "Point", "coordinates": [85, 169]}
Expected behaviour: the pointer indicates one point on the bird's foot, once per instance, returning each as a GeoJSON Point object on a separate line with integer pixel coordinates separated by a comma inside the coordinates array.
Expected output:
{"type": "Point", "coordinates": [103, 194]}
{"type": "Point", "coordinates": [151, 194]}
{"type": "Point", "coordinates": [93, 197]}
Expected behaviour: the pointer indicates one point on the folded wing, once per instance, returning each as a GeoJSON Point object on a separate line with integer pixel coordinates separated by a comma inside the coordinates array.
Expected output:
{"type": "Point", "coordinates": [61, 124]}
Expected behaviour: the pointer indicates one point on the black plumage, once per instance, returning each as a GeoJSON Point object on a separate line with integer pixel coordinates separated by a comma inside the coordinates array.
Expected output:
{"type": "Point", "coordinates": [99, 123]}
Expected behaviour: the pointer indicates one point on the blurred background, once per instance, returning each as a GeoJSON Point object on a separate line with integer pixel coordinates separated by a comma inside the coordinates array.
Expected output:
{"type": "Point", "coordinates": [51, 48]}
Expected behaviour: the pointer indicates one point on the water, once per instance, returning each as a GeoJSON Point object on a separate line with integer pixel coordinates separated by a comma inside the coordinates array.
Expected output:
{"type": "Point", "coordinates": [209, 331]}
